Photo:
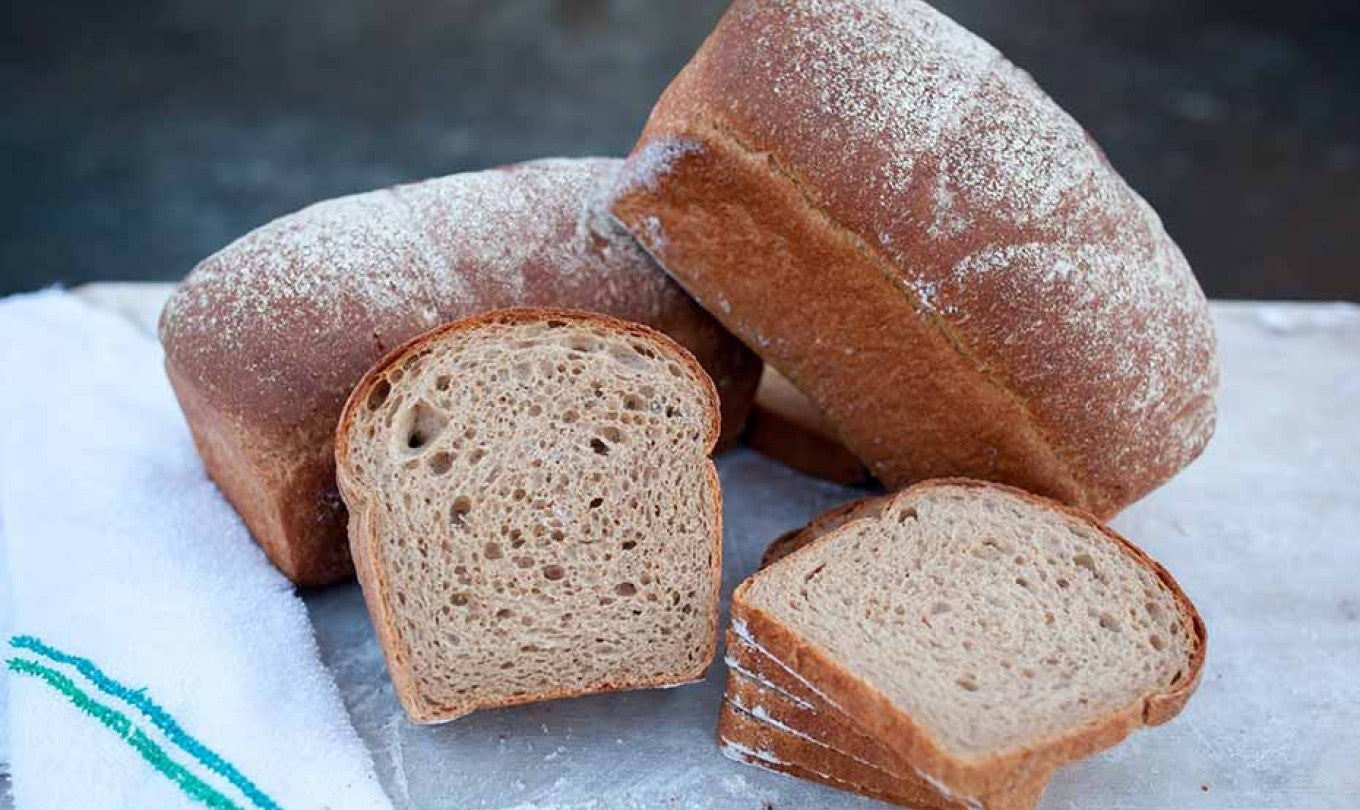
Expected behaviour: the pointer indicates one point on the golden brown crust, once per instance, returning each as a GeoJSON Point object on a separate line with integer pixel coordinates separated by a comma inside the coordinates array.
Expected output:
{"type": "Point", "coordinates": [787, 427]}
{"type": "Point", "coordinates": [266, 339]}
{"type": "Point", "coordinates": [366, 550]}
{"type": "Point", "coordinates": [978, 292]}
{"type": "Point", "coordinates": [875, 713]}
{"type": "Point", "coordinates": [289, 502]}
{"type": "Point", "coordinates": [791, 541]}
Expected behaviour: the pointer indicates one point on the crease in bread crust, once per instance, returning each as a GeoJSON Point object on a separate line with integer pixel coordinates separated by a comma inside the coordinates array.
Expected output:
{"type": "Point", "coordinates": [374, 568]}
{"type": "Point", "coordinates": [943, 328]}
{"type": "Point", "coordinates": [877, 714]}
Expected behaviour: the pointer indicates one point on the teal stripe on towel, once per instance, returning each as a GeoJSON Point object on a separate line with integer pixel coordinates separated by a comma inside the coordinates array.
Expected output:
{"type": "Point", "coordinates": [159, 717]}
{"type": "Point", "coordinates": [119, 724]}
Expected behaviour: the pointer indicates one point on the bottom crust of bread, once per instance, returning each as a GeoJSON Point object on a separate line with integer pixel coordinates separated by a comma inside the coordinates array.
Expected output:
{"type": "Point", "coordinates": [747, 738]}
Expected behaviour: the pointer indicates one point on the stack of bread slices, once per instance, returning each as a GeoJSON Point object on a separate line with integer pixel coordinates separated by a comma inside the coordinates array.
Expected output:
{"type": "Point", "coordinates": [952, 644]}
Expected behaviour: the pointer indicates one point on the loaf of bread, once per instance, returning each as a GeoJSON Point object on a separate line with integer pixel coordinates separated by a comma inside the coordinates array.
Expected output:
{"type": "Point", "coordinates": [787, 427]}
{"type": "Point", "coordinates": [983, 635]}
{"type": "Point", "coordinates": [533, 510]}
{"type": "Point", "coordinates": [265, 339]}
{"type": "Point", "coordinates": [900, 221]}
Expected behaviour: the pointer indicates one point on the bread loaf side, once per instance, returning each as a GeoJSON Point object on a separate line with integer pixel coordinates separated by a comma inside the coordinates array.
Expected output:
{"type": "Point", "coordinates": [265, 339]}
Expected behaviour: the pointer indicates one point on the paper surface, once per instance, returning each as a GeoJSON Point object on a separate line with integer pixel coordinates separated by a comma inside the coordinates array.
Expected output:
{"type": "Point", "coordinates": [1261, 532]}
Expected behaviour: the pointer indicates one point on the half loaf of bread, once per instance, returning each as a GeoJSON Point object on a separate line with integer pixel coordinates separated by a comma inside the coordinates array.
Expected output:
{"type": "Point", "coordinates": [267, 337]}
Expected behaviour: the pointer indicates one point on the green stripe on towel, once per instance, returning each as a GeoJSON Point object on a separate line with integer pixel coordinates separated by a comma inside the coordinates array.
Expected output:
{"type": "Point", "coordinates": [119, 724]}
{"type": "Point", "coordinates": [158, 716]}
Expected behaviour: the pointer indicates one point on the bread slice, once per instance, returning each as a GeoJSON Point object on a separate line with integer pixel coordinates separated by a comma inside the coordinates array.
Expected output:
{"type": "Point", "coordinates": [534, 511]}
{"type": "Point", "coordinates": [785, 426]}
{"type": "Point", "coordinates": [983, 633]}
{"type": "Point", "coordinates": [747, 738]}
{"type": "Point", "coordinates": [826, 729]}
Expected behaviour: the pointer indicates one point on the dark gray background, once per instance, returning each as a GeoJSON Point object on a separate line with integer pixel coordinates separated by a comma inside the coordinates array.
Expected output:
{"type": "Point", "coordinates": [140, 136]}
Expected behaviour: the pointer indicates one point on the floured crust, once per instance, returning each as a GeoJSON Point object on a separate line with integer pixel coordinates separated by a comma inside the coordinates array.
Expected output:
{"type": "Point", "coordinates": [366, 548]}
{"type": "Point", "coordinates": [978, 292]}
{"type": "Point", "coordinates": [266, 338]}
{"type": "Point", "coordinates": [877, 716]}
{"type": "Point", "coordinates": [785, 426]}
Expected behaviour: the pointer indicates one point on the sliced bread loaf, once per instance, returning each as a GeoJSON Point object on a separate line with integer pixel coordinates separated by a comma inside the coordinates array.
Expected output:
{"type": "Point", "coordinates": [533, 510]}
{"type": "Point", "coordinates": [985, 635]}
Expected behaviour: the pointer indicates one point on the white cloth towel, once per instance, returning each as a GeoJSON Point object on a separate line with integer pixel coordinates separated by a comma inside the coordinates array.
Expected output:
{"type": "Point", "coordinates": [155, 659]}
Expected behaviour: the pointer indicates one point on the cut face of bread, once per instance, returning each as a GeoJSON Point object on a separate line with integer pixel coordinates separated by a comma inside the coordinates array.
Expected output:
{"type": "Point", "coordinates": [534, 513]}
{"type": "Point", "coordinates": [983, 632]}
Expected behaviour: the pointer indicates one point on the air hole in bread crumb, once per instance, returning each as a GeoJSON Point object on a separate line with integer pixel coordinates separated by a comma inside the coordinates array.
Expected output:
{"type": "Point", "coordinates": [967, 683]}
{"type": "Point", "coordinates": [493, 551]}
{"type": "Point", "coordinates": [424, 424]}
{"type": "Point", "coordinates": [633, 402]}
{"type": "Point", "coordinates": [600, 448]}
{"type": "Point", "coordinates": [570, 416]}
{"type": "Point", "coordinates": [611, 434]}
{"type": "Point", "coordinates": [555, 324]}
{"type": "Point", "coordinates": [1109, 622]}
{"type": "Point", "coordinates": [595, 503]}
{"type": "Point", "coordinates": [629, 545]}
{"type": "Point", "coordinates": [504, 613]}
{"type": "Point", "coordinates": [906, 515]}
{"type": "Point", "coordinates": [378, 395]}
{"type": "Point", "coordinates": [440, 463]}
{"type": "Point", "coordinates": [458, 599]}
{"type": "Point", "coordinates": [1157, 643]}
{"type": "Point", "coordinates": [625, 589]}
{"type": "Point", "coordinates": [1085, 561]}
{"type": "Point", "coordinates": [458, 513]}
{"type": "Point", "coordinates": [553, 572]}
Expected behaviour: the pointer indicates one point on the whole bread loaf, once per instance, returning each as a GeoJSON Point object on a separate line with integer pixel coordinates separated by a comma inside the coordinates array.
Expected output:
{"type": "Point", "coordinates": [265, 339]}
{"type": "Point", "coordinates": [907, 227]}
